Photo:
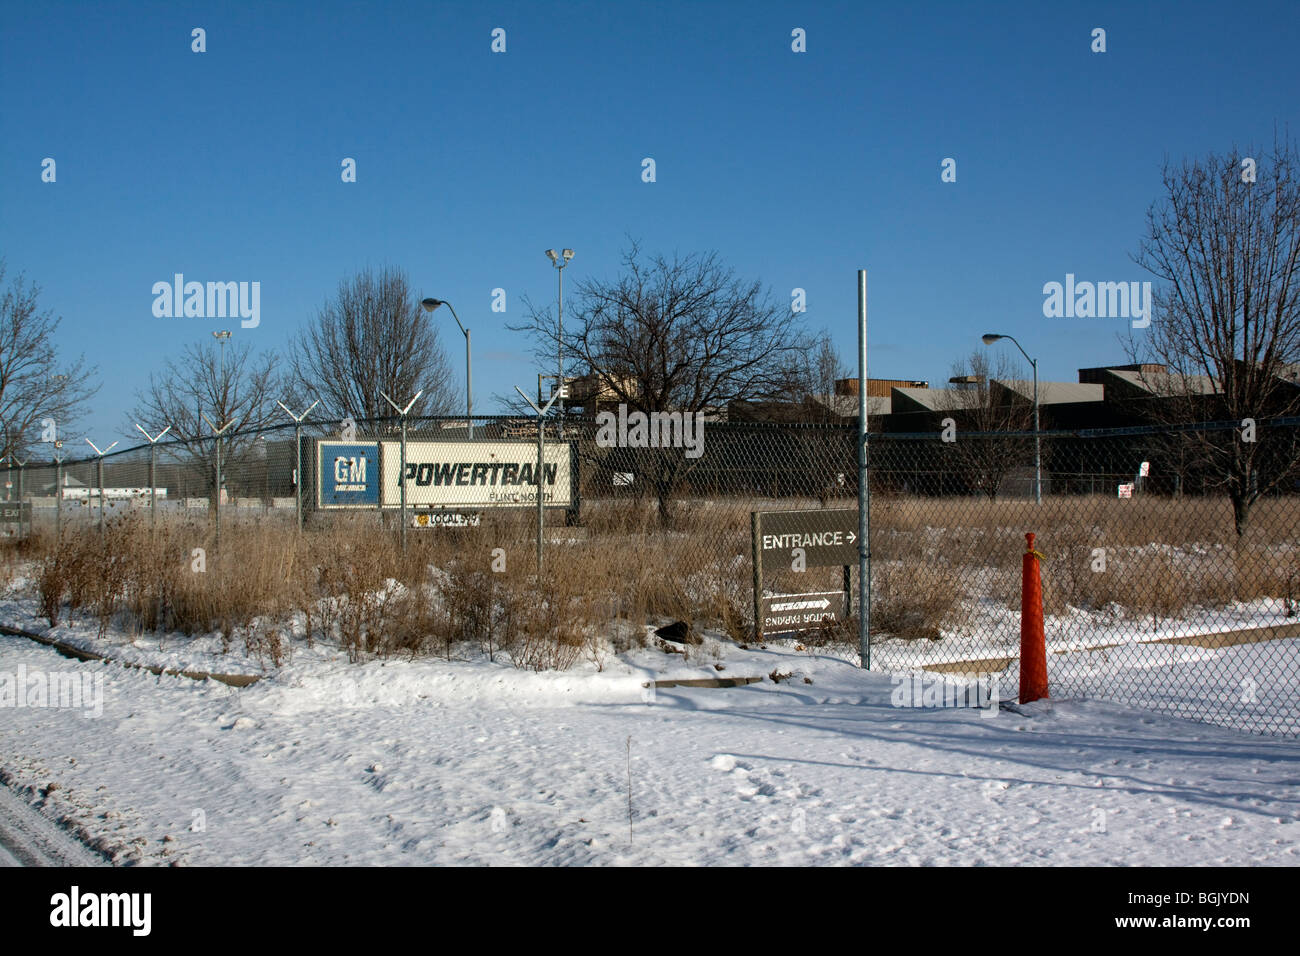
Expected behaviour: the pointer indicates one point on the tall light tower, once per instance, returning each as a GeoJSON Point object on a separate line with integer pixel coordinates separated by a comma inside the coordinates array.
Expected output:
{"type": "Point", "coordinates": [222, 391]}
{"type": "Point", "coordinates": [221, 337]}
{"type": "Point", "coordinates": [560, 262]}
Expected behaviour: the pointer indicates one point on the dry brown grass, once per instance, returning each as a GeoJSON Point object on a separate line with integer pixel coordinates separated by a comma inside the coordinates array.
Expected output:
{"type": "Point", "coordinates": [346, 581]}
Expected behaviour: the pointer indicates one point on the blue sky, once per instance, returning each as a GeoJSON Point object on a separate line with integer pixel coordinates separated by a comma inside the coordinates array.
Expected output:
{"type": "Point", "coordinates": [798, 169]}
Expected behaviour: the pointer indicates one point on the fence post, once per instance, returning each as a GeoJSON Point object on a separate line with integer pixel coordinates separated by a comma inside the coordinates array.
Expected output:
{"type": "Point", "coordinates": [101, 481]}
{"type": "Point", "coordinates": [58, 491]}
{"type": "Point", "coordinates": [537, 477]}
{"type": "Point", "coordinates": [217, 439]}
{"type": "Point", "coordinates": [297, 469]}
{"type": "Point", "coordinates": [297, 452]}
{"type": "Point", "coordinates": [756, 560]}
{"type": "Point", "coordinates": [20, 500]}
{"type": "Point", "coordinates": [401, 477]}
{"type": "Point", "coordinates": [153, 463]}
{"type": "Point", "coordinates": [864, 488]}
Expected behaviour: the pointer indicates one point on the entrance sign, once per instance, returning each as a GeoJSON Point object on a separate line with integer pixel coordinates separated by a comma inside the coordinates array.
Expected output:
{"type": "Point", "coordinates": [829, 538]}
{"type": "Point", "coordinates": [824, 539]}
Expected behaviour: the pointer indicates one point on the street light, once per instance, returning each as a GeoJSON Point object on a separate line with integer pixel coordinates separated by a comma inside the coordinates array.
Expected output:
{"type": "Point", "coordinates": [567, 254]}
{"type": "Point", "coordinates": [221, 337]}
{"type": "Point", "coordinates": [989, 338]}
{"type": "Point", "coordinates": [431, 304]}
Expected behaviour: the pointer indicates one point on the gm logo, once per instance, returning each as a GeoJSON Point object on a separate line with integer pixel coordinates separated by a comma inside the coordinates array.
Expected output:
{"type": "Point", "coordinates": [348, 474]}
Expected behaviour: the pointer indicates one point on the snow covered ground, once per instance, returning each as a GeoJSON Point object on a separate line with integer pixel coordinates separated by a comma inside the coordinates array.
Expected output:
{"type": "Point", "coordinates": [395, 762]}
{"type": "Point", "coordinates": [28, 838]}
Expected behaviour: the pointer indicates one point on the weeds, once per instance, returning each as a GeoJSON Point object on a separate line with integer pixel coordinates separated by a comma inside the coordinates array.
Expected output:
{"type": "Point", "coordinates": [347, 582]}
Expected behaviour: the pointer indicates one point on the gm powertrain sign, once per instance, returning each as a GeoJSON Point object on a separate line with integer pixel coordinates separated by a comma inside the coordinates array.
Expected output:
{"type": "Point", "coordinates": [476, 475]}
{"type": "Point", "coordinates": [348, 474]}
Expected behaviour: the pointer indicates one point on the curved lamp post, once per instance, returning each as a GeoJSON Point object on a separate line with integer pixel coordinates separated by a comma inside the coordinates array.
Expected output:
{"type": "Point", "coordinates": [431, 304]}
{"type": "Point", "coordinates": [989, 338]}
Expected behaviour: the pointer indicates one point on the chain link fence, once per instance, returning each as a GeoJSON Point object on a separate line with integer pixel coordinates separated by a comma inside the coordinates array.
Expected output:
{"type": "Point", "coordinates": [1157, 593]}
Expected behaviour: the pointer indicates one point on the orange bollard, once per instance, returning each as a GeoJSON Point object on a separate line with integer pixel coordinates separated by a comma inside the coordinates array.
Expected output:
{"type": "Point", "coordinates": [1033, 643]}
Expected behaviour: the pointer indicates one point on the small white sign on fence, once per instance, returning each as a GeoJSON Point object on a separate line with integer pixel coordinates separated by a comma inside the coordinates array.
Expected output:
{"type": "Point", "coordinates": [445, 519]}
{"type": "Point", "coordinates": [1126, 491]}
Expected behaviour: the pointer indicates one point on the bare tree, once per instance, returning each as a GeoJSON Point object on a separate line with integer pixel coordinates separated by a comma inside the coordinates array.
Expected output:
{"type": "Point", "coordinates": [373, 337]}
{"type": "Point", "coordinates": [825, 453]}
{"type": "Point", "coordinates": [1226, 321]}
{"type": "Point", "coordinates": [816, 371]}
{"type": "Point", "coordinates": [681, 334]}
{"type": "Point", "coordinates": [240, 388]}
{"type": "Point", "coordinates": [36, 389]}
{"type": "Point", "coordinates": [987, 446]}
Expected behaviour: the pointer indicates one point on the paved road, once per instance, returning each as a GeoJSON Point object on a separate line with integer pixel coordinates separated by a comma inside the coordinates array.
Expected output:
{"type": "Point", "coordinates": [29, 839]}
